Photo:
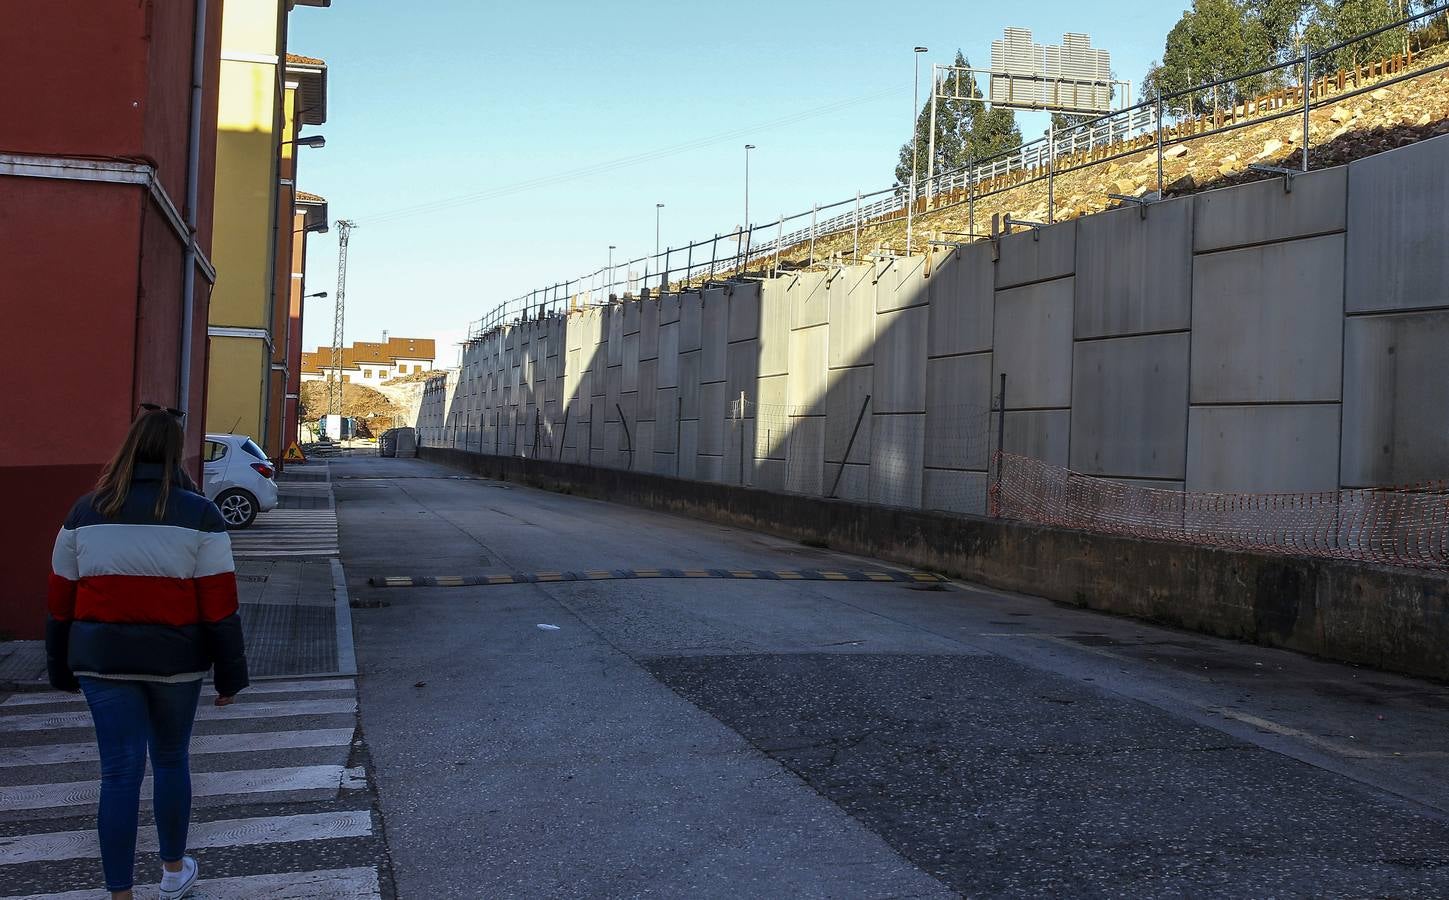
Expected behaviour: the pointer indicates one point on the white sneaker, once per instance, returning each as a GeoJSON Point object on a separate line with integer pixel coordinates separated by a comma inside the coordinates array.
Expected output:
{"type": "Point", "coordinates": [175, 885]}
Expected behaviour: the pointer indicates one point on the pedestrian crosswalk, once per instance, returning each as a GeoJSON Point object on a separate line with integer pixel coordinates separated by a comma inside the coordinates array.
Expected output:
{"type": "Point", "coordinates": [281, 806]}
{"type": "Point", "coordinates": [288, 533]}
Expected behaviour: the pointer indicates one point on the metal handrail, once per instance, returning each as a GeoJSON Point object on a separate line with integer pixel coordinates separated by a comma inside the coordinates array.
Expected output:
{"type": "Point", "coordinates": [1038, 159]}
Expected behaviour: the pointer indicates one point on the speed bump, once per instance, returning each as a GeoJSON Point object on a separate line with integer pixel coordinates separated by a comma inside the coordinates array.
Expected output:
{"type": "Point", "coordinates": [868, 576]}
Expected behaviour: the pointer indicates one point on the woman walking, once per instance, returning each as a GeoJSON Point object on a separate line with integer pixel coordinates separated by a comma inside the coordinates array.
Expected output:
{"type": "Point", "coordinates": [142, 602]}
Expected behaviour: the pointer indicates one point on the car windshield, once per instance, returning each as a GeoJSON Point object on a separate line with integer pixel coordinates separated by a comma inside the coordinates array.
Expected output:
{"type": "Point", "coordinates": [253, 449]}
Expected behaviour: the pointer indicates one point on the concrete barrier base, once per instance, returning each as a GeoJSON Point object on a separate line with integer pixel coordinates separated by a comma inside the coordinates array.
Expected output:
{"type": "Point", "coordinates": [1392, 619]}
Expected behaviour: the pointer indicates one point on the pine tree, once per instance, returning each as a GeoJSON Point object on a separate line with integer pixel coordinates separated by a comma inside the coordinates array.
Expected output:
{"type": "Point", "coordinates": [1335, 21]}
{"type": "Point", "coordinates": [1213, 40]}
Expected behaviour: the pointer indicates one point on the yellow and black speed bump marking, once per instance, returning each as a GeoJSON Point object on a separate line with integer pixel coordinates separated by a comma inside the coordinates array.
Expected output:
{"type": "Point", "coordinates": [622, 574]}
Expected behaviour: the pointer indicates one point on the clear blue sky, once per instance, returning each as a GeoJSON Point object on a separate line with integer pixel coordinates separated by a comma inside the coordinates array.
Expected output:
{"type": "Point", "coordinates": [447, 98]}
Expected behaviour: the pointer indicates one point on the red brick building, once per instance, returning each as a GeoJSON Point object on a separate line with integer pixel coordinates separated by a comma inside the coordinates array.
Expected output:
{"type": "Point", "coordinates": [107, 158]}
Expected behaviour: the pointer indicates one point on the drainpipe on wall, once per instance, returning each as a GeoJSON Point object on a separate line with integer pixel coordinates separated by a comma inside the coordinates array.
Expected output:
{"type": "Point", "coordinates": [193, 176]}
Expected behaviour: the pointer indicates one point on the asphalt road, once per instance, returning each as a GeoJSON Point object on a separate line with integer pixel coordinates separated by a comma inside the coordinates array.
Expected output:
{"type": "Point", "coordinates": [704, 737]}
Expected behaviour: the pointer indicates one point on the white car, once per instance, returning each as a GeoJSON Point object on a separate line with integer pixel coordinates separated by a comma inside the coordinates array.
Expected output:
{"type": "Point", "coordinates": [237, 477]}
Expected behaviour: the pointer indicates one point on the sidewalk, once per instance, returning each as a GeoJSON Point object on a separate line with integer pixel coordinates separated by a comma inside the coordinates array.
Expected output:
{"type": "Point", "coordinates": [293, 603]}
{"type": "Point", "coordinates": [291, 612]}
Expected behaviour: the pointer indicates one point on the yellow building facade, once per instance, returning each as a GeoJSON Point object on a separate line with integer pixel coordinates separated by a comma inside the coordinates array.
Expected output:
{"type": "Point", "coordinates": [261, 107]}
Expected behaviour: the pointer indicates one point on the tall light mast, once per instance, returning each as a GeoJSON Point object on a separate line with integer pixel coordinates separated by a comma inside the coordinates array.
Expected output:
{"type": "Point", "coordinates": [334, 393]}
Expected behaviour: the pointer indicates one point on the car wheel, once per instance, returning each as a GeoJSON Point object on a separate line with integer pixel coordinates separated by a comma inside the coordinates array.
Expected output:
{"type": "Point", "coordinates": [238, 508]}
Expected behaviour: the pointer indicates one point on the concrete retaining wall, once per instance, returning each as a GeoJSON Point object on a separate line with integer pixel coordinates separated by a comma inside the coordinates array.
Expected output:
{"type": "Point", "coordinates": [1243, 339]}
{"type": "Point", "coordinates": [1391, 619]}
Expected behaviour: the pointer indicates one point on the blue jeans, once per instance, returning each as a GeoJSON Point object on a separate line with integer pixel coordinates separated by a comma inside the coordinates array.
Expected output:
{"type": "Point", "coordinates": [129, 717]}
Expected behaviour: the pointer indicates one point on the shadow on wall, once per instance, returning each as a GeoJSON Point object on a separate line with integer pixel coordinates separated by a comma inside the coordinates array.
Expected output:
{"type": "Point", "coordinates": [1249, 339]}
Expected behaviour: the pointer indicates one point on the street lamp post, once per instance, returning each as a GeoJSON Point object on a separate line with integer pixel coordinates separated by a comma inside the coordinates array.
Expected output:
{"type": "Point", "coordinates": [609, 279]}
{"type": "Point", "coordinates": [915, 111]}
{"type": "Point", "coordinates": [657, 208]}
{"type": "Point", "coordinates": [748, 148]}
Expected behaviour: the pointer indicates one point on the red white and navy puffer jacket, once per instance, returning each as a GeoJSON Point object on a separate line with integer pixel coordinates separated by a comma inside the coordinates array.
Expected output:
{"type": "Point", "coordinates": [133, 595]}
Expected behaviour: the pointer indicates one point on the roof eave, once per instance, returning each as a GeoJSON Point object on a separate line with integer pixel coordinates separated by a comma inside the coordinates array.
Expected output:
{"type": "Point", "coordinates": [312, 91]}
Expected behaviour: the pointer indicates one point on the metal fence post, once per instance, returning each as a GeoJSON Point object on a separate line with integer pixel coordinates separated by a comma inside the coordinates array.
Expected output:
{"type": "Point", "coordinates": [1159, 142]}
{"type": "Point", "coordinates": [779, 243]}
{"type": "Point", "coordinates": [855, 254]}
{"type": "Point", "coordinates": [971, 193]}
{"type": "Point", "coordinates": [678, 427]}
{"type": "Point", "coordinates": [740, 432]}
{"type": "Point", "coordinates": [814, 211]}
{"type": "Point", "coordinates": [1051, 172]}
{"type": "Point", "coordinates": [713, 254]}
{"type": "Point", "coordinates": [1307, 99]}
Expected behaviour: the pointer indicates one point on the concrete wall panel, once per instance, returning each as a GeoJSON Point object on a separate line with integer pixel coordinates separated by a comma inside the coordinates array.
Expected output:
{"type": "Point", "coordinates": [690, 318]}
{"type": "Point", "coordinates": [1027, 257]}
{"type": "Point", "coordinates": [897, 451]}
{"type": "Point", "coordinates": [848, 390]}
{"type": "Point", "coordinates": [714, 316]}
{"type": "Point", "coordinates": [643, 459]}
{"type": "Point", "coordinates": [689, 382]}
{"type": "Point", "coordinates": [1396, 399]}
{"type": "Point", "coordinates": [850, 482]}
{"type": "Point", "coordinates": [852, 320]}
{"type": "Point", "coordinates": [1043, 434]}
{"type": "Point", "coordinates": [804, 449]}
{"type": "Point", "coordinates": [744, 312]}
{"type": "Point", "coordinates": [1262, 211]}
{"type": "Point", "coordinates": [648, 389]}
{"type": "Point", "coordinates": [806, 391]}
{"type": "Point", "coordinates": [1034, 344]}
{"type": "Point", "coordinates": [615, 322]}
{"type": "Point", "coordinates": [741, 366]}
{"type": "Point", "coordinates": [1267, 323]}
{"type": "Point", "coordinates": [901, 285]}
{"type": "Point", "coordinates": [669, 355]}
{"type": "Point", "coordinates": [668, 308]}
{"type": "Point", "coordinates": [952, 491]}
{"type": "Point", "coordinates": [630, 368]}
{"type": "Point", "coordinates": [775, 310]}
{"type": "Point", "coordinates": [713, 407]}
{"type": "Point", "coordinates": [1398, 219]}
{"type": "Point", "coordinates": [1263, 449]}
{"type": "Point", "coordinates": [1129, 406]}
{"type": "Point", "coordinates": [900, 360]}
{"type": "Point", "coordinates": [688, 459]}
{"type": "Point", "coordinates": [958, 403]}
{"type": "Point", "coordinates": [962, 298]}
{"type": "Point", "coordinates": [1134, 274]}
{"type": "Point", "coordinates": [649, 330]}
{"type": "Point", "coordinates": [809, 296]}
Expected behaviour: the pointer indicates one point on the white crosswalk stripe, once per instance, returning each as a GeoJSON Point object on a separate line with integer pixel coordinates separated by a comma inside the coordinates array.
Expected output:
{"type": "Point", "coordinates": [333, 884]}
{"type": "Point", "coordinates": [299, 751]}
{"type": "Point", "coordinates": [263, 710]}
{"type": "Point", "coordinates": [288, 532]}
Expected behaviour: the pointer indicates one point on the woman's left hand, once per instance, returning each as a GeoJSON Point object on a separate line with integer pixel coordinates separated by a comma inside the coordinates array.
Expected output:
{"type": "Point", "coordinates": [225, 701]}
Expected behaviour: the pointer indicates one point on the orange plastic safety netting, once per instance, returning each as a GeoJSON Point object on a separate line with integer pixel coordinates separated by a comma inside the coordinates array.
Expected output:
{"type": "Point", "coordinates": [1406, 525]}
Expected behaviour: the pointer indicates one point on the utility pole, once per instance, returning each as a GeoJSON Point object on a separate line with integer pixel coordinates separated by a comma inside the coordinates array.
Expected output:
{"type": "Point", "coordinates": [748, 148]}
{"type": "Point", "coordinates": [334, 396]}
{"type": "Point", "coordinates": [915, 104]}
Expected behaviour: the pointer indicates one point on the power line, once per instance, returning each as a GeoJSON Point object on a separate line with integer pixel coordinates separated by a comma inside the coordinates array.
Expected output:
{"type": "Point", "coordinates": [542, 181]}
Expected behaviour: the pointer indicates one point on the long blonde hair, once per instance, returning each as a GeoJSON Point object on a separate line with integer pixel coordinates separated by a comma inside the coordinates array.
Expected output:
{"type": "Point", "coordinates": [155, 437]}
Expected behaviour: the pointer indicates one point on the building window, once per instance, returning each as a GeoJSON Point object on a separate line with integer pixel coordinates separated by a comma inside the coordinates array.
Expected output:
{"type": "Point", "coordinates": [346, 379]}
{"type": "Point", "coordinates": [402, 370]}
{"type": "Point", "coordinates": [366, 373]}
